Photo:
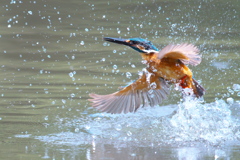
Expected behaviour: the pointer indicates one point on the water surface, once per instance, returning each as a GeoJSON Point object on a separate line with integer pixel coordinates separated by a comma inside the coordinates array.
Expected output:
{"type": "Point", "coordinates": [53, 56]}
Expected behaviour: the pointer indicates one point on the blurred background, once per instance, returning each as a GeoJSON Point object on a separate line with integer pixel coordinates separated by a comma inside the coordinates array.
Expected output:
{"type": "Point", "coordinates": [53, 55]}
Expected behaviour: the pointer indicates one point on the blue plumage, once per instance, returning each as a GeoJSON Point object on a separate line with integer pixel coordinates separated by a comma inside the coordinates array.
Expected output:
{"type": "Point", "coordinates": [138, 44]}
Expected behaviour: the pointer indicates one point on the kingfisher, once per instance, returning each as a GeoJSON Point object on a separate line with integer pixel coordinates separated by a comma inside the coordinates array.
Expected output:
{"type": "Point", "coordinates": [164, 67]}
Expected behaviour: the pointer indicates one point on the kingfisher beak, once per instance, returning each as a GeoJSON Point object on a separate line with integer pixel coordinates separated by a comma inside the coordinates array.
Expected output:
{"type": "Point", "coordinates": [118, 41]}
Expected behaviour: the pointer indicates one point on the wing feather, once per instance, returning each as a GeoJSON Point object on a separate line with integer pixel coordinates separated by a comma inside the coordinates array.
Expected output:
{"type": "Point", "coordinates": [132, 97]}
{"type": "Point", "coordinates": [120, 104]}
{"type": "Point", "coordinates": [130, 105]}
{"type": "Point", "coordinates": [159, 96]}
{"type": "Point", "coordinates": [117, 101]}
{"type": "Point", "coordinates": [187, 53]}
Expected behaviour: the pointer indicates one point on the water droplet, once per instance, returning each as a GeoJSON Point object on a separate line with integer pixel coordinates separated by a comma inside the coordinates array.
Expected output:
{"type": "Point", "coordinates": [230, 90]}
{"type": "Point", "coordinates": [46, 118]}
{"type": "Point", "coordinates": [133, 66]}
{"type": "Point", "coordinates": [153, 85]}
{"type": "Point", "coordinates": [87, 127]}
{"type": "Point", "coordinates": [144, 61]}
{"type": "Point", "coordinates": [174, 25]}
{"type": "Point", "coordinates": [63, 101]}
{"type": "Point", "coordinates": [76, 130]}
{"type": "Point", "coordinates": [118, 127]}
{"type": "Point", "coordinates": [129, 133]}
{"type": "Point", "coordinates": [9, 20]}
{"type": "Point", "coordinates": [30, 12]}
{"type": "Point", "coordinates": [72, 95]}
{"type": "Point", "coordinates": [13, 2]}
{"type": "Point", "coordinates": [71, 74]}
{"type": "Point", "coordinates": [236, 87]}
{"type": "Point", "coordinates": [82, 43]}
{"type": "Point", "coordinates": [86, 29]}
{"type": "Point", "coordinates": [230, 100]}
{"type": "Point", "coordinates": [105, 44]}
{"type": "Point", "coordinates": [238, 94]}
{"type": "Point", "coordinates": [133, 154]}
{"type": "Point", "coordinates": [115, 66]}
{"type": "Point", "coordinates": [128, 74]}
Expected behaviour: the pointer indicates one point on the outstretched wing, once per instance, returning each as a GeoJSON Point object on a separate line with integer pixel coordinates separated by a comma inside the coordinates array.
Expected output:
{"type": "Point", "coordinates": [148, 90]}
{"type": "Point", "coordinates": [187, 53]}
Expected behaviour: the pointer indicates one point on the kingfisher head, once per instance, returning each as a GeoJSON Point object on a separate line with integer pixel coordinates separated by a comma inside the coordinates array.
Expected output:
{"type": "Point", "coordinates": [138, 44]}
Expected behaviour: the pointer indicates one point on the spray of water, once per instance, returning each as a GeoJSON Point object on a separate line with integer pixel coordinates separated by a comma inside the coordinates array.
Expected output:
{"type": "Point", "coordinates": [188, 122]}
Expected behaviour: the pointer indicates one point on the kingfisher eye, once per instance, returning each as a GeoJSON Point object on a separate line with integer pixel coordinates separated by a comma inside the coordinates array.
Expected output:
{"type": "Point", "coordinates": [134, 42]}
{"type": "Point", "coordinates": [145, 46]}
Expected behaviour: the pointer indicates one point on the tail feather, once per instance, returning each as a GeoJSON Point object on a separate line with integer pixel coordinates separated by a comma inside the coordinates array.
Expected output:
{"type": "Point", "coordinates": [199, 90]}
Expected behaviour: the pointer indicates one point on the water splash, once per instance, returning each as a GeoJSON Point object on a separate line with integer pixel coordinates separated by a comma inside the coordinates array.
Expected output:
{"type": "Point", "coordinates": [212, 123]}
{"type": "Point", "coordinates": [188, 122]}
